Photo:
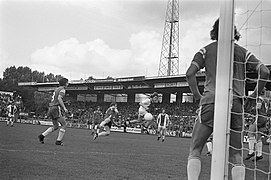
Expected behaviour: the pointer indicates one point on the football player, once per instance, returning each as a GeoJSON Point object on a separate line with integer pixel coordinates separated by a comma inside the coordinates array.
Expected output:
{"type": "Point", "coordinates": [97, 118]}
{"type": "Point", "coordinates": [11, 110]}
{"type": "Point", "coordinates": [162, 121]}
{"type": "Point", "coordinates": [257, 128]}
{"type": "Point", "coordinates": [144, 107]}
{"type": "Point", "coordinates": [106, 124]}
{"type": "Point", "coordinates": [55, 107]}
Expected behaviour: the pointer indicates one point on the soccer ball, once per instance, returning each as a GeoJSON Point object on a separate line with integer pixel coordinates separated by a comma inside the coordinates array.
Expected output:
{"type": "Point", "coordinates": [148, 117]}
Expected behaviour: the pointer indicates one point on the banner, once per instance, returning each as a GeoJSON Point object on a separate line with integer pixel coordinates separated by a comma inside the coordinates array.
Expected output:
{"type": "Point", "coordinates": [117, 129]}
{"type": "Point", "coordinates": [133, 130]}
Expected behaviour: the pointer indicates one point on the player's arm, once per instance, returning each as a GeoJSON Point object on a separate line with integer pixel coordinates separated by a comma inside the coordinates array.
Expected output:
{"type": "Point", "coordinates": [192, 81]}
{"type": "Point", "coordinates": [254, 64]}
{"type": "Point", "coordinates": [196, 65]}
{"type": "Point", "coordinates": [158, 118]}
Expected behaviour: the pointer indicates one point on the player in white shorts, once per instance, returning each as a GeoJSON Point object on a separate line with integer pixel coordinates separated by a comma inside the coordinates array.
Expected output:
{"type": "Point", "coordinates": [162, 121]}
{"type": "Point", "coordinates": [143, 110]}
{"type": "Point", "coordinates": [11, 110]}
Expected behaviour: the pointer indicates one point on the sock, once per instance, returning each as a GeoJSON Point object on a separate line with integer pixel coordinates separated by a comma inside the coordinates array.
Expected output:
{"type": "Point", "coordinates": [48, 131]}
{"type": "Point", "coordinates": [238, 173]}
{"type": "Point", "coordinates": [60, 134]}
{"type": "Point", "coordinates": [259, 148]}
{"type": "Point", "coordinates": [251, 144]}
{"type": "Point", "coordinates": [209, 147]}
{"type": "Point", "coordinates": [193, 168]}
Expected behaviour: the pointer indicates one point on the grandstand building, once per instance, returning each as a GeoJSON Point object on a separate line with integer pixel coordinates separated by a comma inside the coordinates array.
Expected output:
{"type": "Point", "coordinates": [129, 89]}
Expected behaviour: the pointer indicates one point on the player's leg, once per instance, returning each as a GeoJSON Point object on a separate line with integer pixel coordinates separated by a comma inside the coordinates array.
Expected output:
{"type": "Point", "coordinates": [261, 124]}
{"type": "Point", "coordinates": [8, 120]}
{"type": "Point", "coordinates": [235, 150]}
{"type": "Point", "coordinates": [62, 130]}
{"type": "Point", "coordinates": [200, 135]}
{"type": "Point", "coordinates": [101, 126]}
{"type": "Point", "coordinates": [12, 119]}
{"type": "Point", "coordinates": [201, 132]}
{"type": "Point", "coordinates": [148, 123]}
{"type": "Point", "coordinates": [163, 133]}
{"type": "Point", "coordinates": [159, 133]}
{"type": "Point", "coordinates": [53, 114]}
{"type": "Point", "coordinates": [106, 132]}
{"type": "Point", "coordinates": [259, 148]}
{"type": "Point", "coordinates": [251, 141]}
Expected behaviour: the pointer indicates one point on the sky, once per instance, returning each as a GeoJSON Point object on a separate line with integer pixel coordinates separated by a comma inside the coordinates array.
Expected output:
{"type": "Point", "coordinates": [117, 38]}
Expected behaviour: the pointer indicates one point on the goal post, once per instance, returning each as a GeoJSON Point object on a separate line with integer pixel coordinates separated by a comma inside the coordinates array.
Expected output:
{"type": "Point", "coordinates": [223, 94]}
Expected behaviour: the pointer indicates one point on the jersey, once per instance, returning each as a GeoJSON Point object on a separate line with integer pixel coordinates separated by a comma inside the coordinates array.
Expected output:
{"type": "Point", "coordinates": [110, 113]}
{"type": "Point", "coordinates": [97, 116]}
{"type": "Point", "coordinates": [12, 109]}
{"type": "Point", "coordinates": [145, 103]}
{"type": "Point", "coordinates": [163, 119]}
{"type": "Point", "coordinates": [60, 91]}
{"type": "Point", "coordinates": [207, 58]}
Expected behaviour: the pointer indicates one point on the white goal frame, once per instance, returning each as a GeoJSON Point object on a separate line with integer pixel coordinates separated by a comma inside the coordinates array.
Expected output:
{"type": "Point", "coordinates": [223, 94]}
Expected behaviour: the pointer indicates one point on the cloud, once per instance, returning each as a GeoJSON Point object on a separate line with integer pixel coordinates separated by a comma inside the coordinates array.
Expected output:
{"type": "Point", "coordinates": [3, 61]}
{"type": "Point", "coordinates": [76, 60]}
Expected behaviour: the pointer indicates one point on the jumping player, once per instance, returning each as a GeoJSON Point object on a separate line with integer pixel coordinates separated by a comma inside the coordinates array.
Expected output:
{"type": "Point", "coordinates": [11, 110]}
{"type": "Point", "coordinates": [162, 121]}
{"type": "Point", "coordinates": [257, 128]}
{"type": "Point", "coordinates": [54, 112]}
{"type": "Point", "coordinates": [106, 124]}
{"type": "Point", "coordinates": [143, 109]}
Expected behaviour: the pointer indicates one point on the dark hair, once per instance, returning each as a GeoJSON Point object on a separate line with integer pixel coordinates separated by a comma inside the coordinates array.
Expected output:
{"type": "Point", "coordinates": [113, 104]}
{"type": "Point", "coordinates": [215, 30]}
{"type": "Point", "coordinates": [63, 81]}
{"type": "Point", "coordinates": [155, 94]}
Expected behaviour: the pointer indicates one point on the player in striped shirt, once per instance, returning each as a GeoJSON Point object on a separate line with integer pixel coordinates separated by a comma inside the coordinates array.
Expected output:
{"type": "Point", "coordinates": [11, 110]}
{"type": "Point", "coordinates": [162, 122]}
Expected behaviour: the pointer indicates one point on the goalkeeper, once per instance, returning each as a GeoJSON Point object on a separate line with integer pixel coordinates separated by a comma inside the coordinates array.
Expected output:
{"type": "Point", "coordinates": [203, 127]}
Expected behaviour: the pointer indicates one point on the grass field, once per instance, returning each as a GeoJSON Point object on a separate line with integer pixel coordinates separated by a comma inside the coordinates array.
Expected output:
{"type": "Point", "coordinates": [120, 156]}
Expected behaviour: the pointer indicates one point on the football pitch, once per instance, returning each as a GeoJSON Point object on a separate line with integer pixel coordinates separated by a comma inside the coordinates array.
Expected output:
{"type": "Point", "coordinates": [120, 156]}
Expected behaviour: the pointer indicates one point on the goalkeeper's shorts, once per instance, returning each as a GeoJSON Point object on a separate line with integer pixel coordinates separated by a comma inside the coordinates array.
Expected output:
{"type": "Point", "coordinates": [206, 115]}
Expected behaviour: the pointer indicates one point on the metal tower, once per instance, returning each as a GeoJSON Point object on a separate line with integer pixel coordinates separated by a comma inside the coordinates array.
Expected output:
{"type": "Point", "coordinates": [169, 59]}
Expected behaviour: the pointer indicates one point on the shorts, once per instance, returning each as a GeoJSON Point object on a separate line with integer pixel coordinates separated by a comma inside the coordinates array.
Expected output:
{"type": "Point", "coordinates": [161, 127]}
{"type": "Point", "coordinates": [206, 115]}
{"type": "Point", "coordinates": [54, 112]}
{"type": "Point", "coordinates": [142, 111]}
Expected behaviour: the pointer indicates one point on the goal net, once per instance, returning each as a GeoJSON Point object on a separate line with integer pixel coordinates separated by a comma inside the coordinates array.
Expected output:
{"type": "Point", "coordinates": [252, 19]}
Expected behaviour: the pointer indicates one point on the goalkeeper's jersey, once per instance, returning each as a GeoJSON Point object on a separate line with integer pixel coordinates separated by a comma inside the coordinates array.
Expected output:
{"type": "Point", "coordinates": [207, 58]}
